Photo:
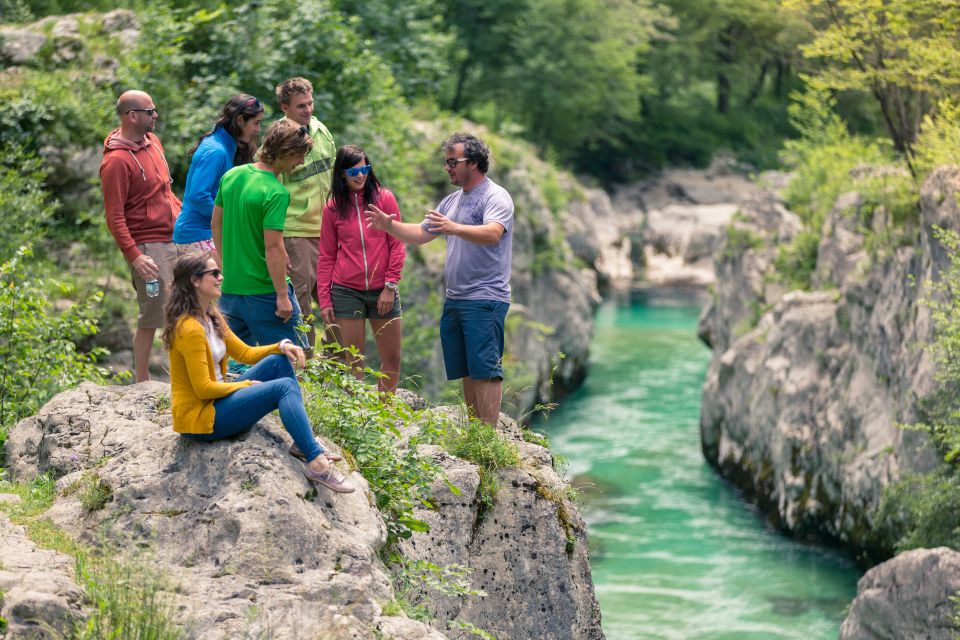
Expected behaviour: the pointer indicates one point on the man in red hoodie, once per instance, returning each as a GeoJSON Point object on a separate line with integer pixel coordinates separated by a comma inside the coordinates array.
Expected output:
{"type": "Point", "coordinates": [141, 210]}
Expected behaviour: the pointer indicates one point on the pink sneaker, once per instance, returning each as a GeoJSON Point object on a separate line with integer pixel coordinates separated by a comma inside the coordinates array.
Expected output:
{"type": "Point", "coordinates": [331, 478]}
{"type": "Point", "coordinates": [329, 455]}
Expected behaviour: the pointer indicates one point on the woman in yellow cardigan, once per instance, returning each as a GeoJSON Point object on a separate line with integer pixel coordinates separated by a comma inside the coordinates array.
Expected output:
{"type": "Point", "coordinates": [208, 407]}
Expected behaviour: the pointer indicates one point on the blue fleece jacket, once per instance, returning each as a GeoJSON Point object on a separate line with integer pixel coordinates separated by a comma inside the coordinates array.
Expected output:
{"type": "Point", "coordinates": [212, 159]}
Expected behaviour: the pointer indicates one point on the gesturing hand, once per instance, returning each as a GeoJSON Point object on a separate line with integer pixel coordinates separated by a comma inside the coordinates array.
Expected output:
{"type": "Point", "coordinates": [439, 223]}
{"type": "Point", "coordinates": [377, 218]}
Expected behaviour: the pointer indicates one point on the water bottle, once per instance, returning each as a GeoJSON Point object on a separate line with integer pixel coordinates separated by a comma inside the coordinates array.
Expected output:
{"type": "Point", "coordinates": [153, 288]}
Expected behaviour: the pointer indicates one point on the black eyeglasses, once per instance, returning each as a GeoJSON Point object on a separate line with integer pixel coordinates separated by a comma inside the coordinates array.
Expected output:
{"type": "Point", "coordinates": [216, 273]}
{"type": "Point", "coordinates": [453, 162]}
{"type": "Point", "coordinates": [149, 112]}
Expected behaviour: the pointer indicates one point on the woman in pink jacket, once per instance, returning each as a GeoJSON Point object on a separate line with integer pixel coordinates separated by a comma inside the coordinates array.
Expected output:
{"type": "Point", "coordinates": [358, 274]}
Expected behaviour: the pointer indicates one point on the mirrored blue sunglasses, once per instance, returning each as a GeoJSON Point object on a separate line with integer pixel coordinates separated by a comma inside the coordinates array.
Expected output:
{"type": "Point", "coordinates": [353, 172]}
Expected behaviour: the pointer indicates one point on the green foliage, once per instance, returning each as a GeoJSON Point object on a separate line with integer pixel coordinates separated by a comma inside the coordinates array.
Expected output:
{"type": "Point", "coordinates": [939, 139]}
{"type": "Point", "coordinates": [797, 260]}
{"type": "Point", "coordinates": [823, 156]}
{"type": "Point", "coordinates": [419, 583]}
{"type": "Point", "coordinates": [905, 53]}
{"type": "Point", "coordinates": [922, 511]}
{"type": "Point", "coordinates": [94, 493]}
{"type": "Point", "coordinates": [38, 354]}
{"type": "Point", "coordinates": [26, 209]}
{"type": "Point", "coordinates": [126, 601]}
{"type": "Point", "coordinates": [357, 418]}
{"type": "Point", "coordinates": [738, 240]}
{"type": "Point", "coordinates": [480, 443]}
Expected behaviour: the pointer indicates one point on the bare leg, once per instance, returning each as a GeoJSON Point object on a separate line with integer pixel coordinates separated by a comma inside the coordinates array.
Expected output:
{"type": "Point", "coordinates": [353, 333]}
{"type": "Point", "coordinates": [388, 334]}
{"type": "Point", "coordinates": [483, 398]}
{"type": "Point", "coordinates": [142, 346]}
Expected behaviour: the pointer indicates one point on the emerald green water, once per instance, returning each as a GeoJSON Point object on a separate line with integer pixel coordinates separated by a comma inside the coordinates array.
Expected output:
{"type": "Point", "coordinates": [676, 553]}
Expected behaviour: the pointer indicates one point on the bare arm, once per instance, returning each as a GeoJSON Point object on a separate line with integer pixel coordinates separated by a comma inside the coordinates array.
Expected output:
{"type": "Point", "coordinates": [276, 256]}
{"type": "Point", "coordinates": [216, 225]}
{"type": "Point", "coordinates": [403, 231]}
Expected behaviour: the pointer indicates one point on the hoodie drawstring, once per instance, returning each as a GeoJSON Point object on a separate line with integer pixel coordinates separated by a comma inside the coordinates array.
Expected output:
{"type": "Point", "coordinates": [143, 173]}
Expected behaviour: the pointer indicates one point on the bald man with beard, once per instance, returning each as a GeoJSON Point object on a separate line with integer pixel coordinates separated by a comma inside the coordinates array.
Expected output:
{"type": "Point", "coordinates": [141, 209]}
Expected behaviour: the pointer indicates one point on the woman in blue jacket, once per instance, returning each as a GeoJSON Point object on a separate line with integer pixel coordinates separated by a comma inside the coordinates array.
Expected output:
{"type": "Point", "coordinates": [230, 143]}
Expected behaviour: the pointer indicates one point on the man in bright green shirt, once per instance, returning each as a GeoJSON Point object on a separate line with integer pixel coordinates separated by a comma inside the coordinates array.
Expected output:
{"type": "Point", "coordinates": [309, 188]}
{"type": "Point", "coordinates": [248, 221]}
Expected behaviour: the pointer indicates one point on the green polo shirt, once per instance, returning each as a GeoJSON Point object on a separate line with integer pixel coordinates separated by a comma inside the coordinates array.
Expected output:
{"type": "Point", "coordinates": [252, 200]}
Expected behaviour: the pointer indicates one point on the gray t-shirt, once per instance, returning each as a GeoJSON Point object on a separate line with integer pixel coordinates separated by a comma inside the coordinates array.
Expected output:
{"type": "Point", "coordinates": [473, 271]}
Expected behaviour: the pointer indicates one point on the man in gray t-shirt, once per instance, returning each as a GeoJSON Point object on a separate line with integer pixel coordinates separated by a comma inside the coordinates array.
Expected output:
{"type": "Point", "coordinates": [477, 222]}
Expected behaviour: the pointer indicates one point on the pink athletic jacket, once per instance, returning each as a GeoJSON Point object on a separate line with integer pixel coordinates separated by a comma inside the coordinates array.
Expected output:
{"type": "Point", "coordinates": [353, 255]}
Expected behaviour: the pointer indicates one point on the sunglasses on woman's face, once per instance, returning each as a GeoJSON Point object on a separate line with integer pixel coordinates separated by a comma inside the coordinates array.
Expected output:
{"type": "Point", "coordinates": [216, 273]}
{"type": "Point", "coordinates": [353, 172]}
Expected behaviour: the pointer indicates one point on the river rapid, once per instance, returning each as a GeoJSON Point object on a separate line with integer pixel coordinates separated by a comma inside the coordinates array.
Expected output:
{"type": "Point", "coordinates": [676, 552]}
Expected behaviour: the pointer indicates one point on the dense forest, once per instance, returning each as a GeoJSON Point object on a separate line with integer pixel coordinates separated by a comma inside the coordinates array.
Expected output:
{"type": "Point", "coordinates": [611, 90]}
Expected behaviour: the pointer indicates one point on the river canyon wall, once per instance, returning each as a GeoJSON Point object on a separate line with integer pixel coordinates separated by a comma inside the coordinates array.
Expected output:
{"type": "Point", "coordinates": [806, 388]}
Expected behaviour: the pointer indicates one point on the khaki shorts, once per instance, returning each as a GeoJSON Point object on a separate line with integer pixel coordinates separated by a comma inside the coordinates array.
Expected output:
{"type": "Point", "coordinates": [195, 247]}
{"type": "Point", "coordinates": [151, 309]}
{"type": "Point", "coordinates": [304, 253]}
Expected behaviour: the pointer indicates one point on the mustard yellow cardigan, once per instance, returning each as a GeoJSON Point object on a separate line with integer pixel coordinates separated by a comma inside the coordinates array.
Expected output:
{"type": "Point", "coordinates": [193, 384]}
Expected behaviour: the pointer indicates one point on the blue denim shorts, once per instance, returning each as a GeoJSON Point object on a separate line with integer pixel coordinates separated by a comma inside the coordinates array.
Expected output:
{"type": "Point", "coordinates": [471, 332]}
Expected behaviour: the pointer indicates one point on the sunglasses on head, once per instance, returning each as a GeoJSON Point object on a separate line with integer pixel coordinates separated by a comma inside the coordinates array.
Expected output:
{"type": "Point", "coordinates": [353, 172]}
{"type": "Point", "coordinates": [216, 273]}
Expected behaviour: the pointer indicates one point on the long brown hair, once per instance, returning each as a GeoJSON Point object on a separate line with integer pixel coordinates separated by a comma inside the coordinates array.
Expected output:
{"type": "Point", "coordinates": [347, 156]}
{"type": "Point", "coordinates": [239, 106]}
{"type": "Point", "coordinates": [183, 300]}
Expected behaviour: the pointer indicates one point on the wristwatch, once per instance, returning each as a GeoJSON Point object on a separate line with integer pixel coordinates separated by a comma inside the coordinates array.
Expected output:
{"type": "Point", "coordinates": [391, 285]}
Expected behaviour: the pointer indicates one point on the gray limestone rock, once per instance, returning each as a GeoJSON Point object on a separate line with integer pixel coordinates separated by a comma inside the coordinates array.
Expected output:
{"type": "Point", "coordinates": [805, 390]}
{"type": "Point", "coordinates": [20, 46]}
{"type": "Point", "coordinates": [251, 549]}
{"type": "Point", "coordinates": [906, 598]}
{"type": "Point", "coordinates": [38, 596]}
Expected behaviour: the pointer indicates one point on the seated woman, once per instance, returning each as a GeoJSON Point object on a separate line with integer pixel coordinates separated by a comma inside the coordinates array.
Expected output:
{"type": "Point", "coordinates": [358, 272]}
{"type": "Point", "coordinates": [208, 407]}
{"type": "Point", "coordinates": [229, 144]}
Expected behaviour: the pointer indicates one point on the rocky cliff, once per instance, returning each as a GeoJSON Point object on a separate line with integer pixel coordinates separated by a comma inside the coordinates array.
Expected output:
{"type": "Point", "coordinates": [805, 389]}
{"type": "Point", "coordinates": [251, 549]}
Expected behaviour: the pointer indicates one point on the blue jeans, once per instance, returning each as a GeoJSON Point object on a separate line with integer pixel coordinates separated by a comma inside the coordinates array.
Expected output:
{"type": "Point", "coordinates": [278, 389]}
{"type": "Point", "coordinates": [253, 318]}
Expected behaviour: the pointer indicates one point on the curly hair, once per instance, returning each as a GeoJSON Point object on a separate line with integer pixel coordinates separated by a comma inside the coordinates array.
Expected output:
{"type": "Point", "coordinates": [239, 106]}
{"type": "Point", "coordinates": [182, 300]}
{"type": "Point", "coordinates": [474, 149]}
{"type": "Point", "coordinates": [284, 138]}
{"type": "Point", "coordinates": [347, 156]}
{"type": "Point", "coordinates": [289, 88]}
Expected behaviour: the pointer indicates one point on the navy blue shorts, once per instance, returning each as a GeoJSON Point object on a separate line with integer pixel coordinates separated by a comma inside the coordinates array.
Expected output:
{"type": "Point", "coordinates": [471, 332]}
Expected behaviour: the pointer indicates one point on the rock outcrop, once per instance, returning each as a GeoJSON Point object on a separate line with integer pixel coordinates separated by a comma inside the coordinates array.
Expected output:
{"type": "Point", "coordinates": [251, 547]}
{"type": "Point", "coordinates": [907, 598]}
{"type": "Point", "coordinates": [805, 389]}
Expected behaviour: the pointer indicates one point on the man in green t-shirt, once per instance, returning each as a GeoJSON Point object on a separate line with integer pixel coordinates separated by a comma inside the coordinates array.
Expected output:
{"type": "Point", "coordinates": [248, 221]}
{"type": "Point", "coordinates": [309, 188]}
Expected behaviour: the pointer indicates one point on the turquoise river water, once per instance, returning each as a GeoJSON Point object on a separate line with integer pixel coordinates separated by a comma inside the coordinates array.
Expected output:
{"type": "Point", "coordinates": [676, 552]}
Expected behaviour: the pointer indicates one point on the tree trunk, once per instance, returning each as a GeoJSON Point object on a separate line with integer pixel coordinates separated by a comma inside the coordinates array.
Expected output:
{"type": "Point", "coordinates": [726, 50]}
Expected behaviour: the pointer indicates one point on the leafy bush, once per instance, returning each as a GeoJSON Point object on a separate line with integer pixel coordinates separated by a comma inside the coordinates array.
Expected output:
{"type": "Point", "coordinates": [38, 353]}
{"type": "Point", "coordinates": [796, 261]}
{"type": "Point", "coordinates": [823, 157]}
{"type": "Point", "coordinates": [357, 418]}
{"type": "Point", "coordinates": [921, 511]}
{"type": "Point", "coordinates": [939, 139]}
